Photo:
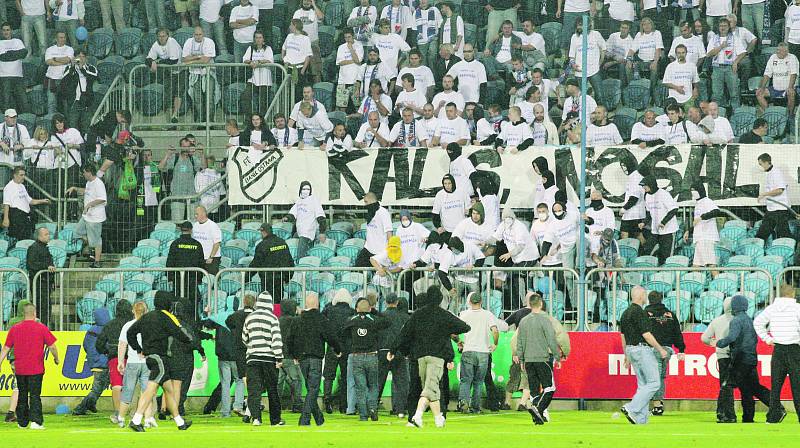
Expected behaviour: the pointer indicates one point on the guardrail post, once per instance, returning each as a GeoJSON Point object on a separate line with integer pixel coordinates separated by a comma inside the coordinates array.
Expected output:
{"type": "Point", "coordinates": [60, 300]}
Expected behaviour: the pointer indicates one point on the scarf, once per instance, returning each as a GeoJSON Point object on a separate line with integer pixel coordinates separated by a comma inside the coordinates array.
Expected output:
{"type": "Point", "coordinates": [286, 134]}
{"type": "Point", "coordinates": [428, 30]}
{"type": "Point", "coordinates": [371, 210]}
{"type": "Point", "coordinates": [453, 29]}
{"type": "Point", "coordinates": [372, 75]}
{"type": "Point", "coordinates": [395, 19]}
{"type": "Point", "coordinates": [127, 181]}
{"type": "Point", "coordinates": [362, 31]}
{"type": "Point", "coordinates": [411, 138]}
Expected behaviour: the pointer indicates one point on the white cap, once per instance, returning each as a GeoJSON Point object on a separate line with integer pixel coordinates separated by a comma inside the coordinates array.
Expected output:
{"type": "Point", "coordinates": [11, 113]}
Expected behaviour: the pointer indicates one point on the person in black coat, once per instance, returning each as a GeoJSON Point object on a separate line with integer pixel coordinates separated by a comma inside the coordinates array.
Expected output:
{"type": "Point", "coordinates": [338, 313]}
{"type": "Point", "coordinates": [667, 330]}
{"type": "Point", "coordinates": [249, 137]}
{"type": "Point", "coordinates": [38, 260]}
{"type": "Point", "coordinates": [235, 323]}
{"type": "Point", "coordinates": [290, 371]}
{"type": "Point", "coordinates": [186, 252]}
{"type": "Point", "coordinates": [272, 252]}
{"type": "Point", "coordinates": [77, 106]}
{"type": "Point", "coordinates": [397, 314]}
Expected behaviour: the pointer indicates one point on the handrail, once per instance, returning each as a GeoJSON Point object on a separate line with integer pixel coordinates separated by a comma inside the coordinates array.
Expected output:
{"type": "Point", "coordinates": [189, 197]}
{"type": "Point", "coordinates": [24, 274]}
{"type": "Point", "coordinates": [117, 84]}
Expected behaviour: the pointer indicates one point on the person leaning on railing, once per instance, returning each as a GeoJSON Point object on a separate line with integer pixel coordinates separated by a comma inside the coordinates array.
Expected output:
{"type": "Point", "coordinates": [17, 206]}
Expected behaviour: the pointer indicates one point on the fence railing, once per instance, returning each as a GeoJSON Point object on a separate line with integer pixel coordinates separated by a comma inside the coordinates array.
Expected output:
{"type": "Point", "coordinates": [204, 96]}
{"type": "Point", "coordinates": [87, 289]}
{"type": "Point", "coordinates": [14, 286]}
{"type": "Point", "coordinates": [115, 98]}
{"type": "Point", "coordinates": [685, 294]}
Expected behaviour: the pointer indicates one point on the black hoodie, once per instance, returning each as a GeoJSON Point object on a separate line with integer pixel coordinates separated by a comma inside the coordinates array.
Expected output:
{"type": "Point", "coordinates": [435, 217]}
{"type": "Point", "coordinates": [156, 327]}
{"type": "Point", "coordinates": [541, 164]}
{"type": "Point", "coordinates": [108, 339]}
{"type": "Point", "coordinates": [453, 151]}
{"type": "Point", "coordinates": [548, 179]}
{"type": "Point", "coordinates": [665, 326]}
{"type": "Point", "coordinates": [428, 331]}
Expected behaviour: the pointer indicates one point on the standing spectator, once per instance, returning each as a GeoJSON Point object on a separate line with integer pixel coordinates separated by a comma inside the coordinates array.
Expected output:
{"type": "Point", "coordinates": [662, 208]}
{"type": "Point", "coordinates": [791, 32]}
{"type": "Point", "coordinates": [183, 166]}
{"type": "Point", "coordinates": [451, 30]}
{"type": "Point", "coordinates": [449, 206]}
{"type": "Point", "coordinates": [362, 18]}
{"type": "Point", "coordinates": [695, 48]}
{"type": "Point", "coordinates": [309, 346]}
{"type": "Point", "coordinates": [199, 50]}
{"type": "Point", "coordinates": [718, 329]}
{"type": "Point", "coordinates": [107, 344]}
{"type": "Point", "coordinates": [149, 191]}
{"type": "Point", "coordinates": [290, 370]}
{"type": "Point", "coordinates": [338, 313]}
{"type": "Point", "coordinates": [180, 363]}
{"type": "Point", "coordinates": [272, 252]}
{"type": "Point", "coordinates": [76, 92]}
{"type": "Point", "coordinates": [17, 206]}
{"type": "Point", "coordinates": [208, 233]}
{"type": "Point", "coordinates": [117, 8]}
{"type": "Point", "coordinates": [379, 230]}
{"type": "Point", "coordinates": [134, 370]}
{"type": "Point", "coordinates": [782, 68]}
{"type": "Point", "coordinates": [90, 226]}
{"type": "Point", "coordinates": [666, 328]}
{"type": "Point", "coordinates": [742, 340]}
{"type": "Point", "coordinates": [98, 363]}
{"type": "Point", "coordinates": [13, 138]}
{"type": "Point", "coordinates": [32, 17]}
{"type": "Point", "coordinates": [235, 322]}
{"type": "Point", "coordinates": [12, 87]}
{"type": "Point", "coordinates": [244, 18]}
{"type": "Point", "coordinates": [705, 233]}
{"type": "Point", "coordinates": [213, 24]}
{"type": "Point", "coordinates": [504, 46]}
{"type": "Point", "coordinates": [262, 336]}
{"type": "Point", "coordinates": [204, 180]}
{"type": "Point", "coordinates": [441, 65]}
{"type": "Point", "coordinates": [471, 76]}
{"type": "Point", "coordinates": [185, 252]}
{"type": "Point", "coordinates": [309, 219]}
{"type": "Point", "coordinates": [775, 196]}
{"type": "Point", "coordinates": [67, 15]}
{"type": "Point", "coordinates": [745, 42]}
{"type": "Point", "coordinates": [779, 326]}
{"type": "Point", "coordinates": [618, 46]}
{"type": "Point", "coordinates": [681, 78]}
{"type": "Point", "coordinates": [478, 344]}
{"type": "Point", "coordinates": [572, 11]}
{"type": "Point", "coordinates": [397, 317]}
{"type": "Point", "coordinates": [389, 46]}
{"type": "Point", "coordinates": [594, 59]}
{"type": "Point", "coordinates": [166, 51]}
{"type": "Point", "coordinates": [57, 58]}
{"type": "Point", "coordinates": [156, 15]}
{"type": "Point", "coordinates": [348, 58]}
{"type": "Point", "coordinates": [725, 56]}
{"type": "Point", "coordinates": [29, 339]}
{"type": "Point", "coordinates": [636, 335]}
{"type": "Point", "coordinates": [399, 16]}
{"type": "Point", "coordinates": [39, 261]}
{"type": "Point", "coordinates": [67, 142]}
{"type": "Point", "coordinates": [310, 16]}
{"type": "Point", "coordinates": [427, 20]}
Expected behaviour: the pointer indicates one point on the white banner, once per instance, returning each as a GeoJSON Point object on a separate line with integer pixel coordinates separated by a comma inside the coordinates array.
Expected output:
{"type": "Point", "coordinates": [411, 177]}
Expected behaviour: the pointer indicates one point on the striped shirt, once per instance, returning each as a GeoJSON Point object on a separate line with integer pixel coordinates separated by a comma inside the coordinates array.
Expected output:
{"type": "Point", "coordinates": [262, 332]}
{"type": "Point", "coordinates": [779, 323]}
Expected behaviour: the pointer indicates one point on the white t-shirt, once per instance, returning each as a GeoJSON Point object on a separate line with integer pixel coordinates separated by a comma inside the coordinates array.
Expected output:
{"type": "Point", "coordinates": [295, 113]}
{"type": "Point", "coordinates": [431, 125]}
{"type": "Point", "coordinates": [534, 39]}
{"type": "Point", "coordinates": [647, 44]}
{"type": "Point", "coordinates": [297, 48]}
{"type": "Point", "coordinates": [208, 234]}
{"type": "Point", "coordinates": [718, 8]}
{"type": "Point", "coordinates": [399, 18]}
{"type": "Point", "coordinates": [539, 230]}
{"type": "Point", "coordinates": [452, 130]}
{"type": "Point", "coordinates": [306, 211]}
{"type": "Point", "coordinates": [574, 105]}
{"type": "Point", "coordinates": [617, 46]}
{"type": "Point", "coordinates": [286, 137]}
{"type": "Point", "coordinates": [412, 242]}
{"type": "Point", "coordinates": [57, 71]}
{"type": "Point", "coordinates": [361, 31]}
{"type": "Point", "coordinates": [728, 54]}
{"type": "Point", "coordinates": [348, 74]}
{"type": "Point", "coordinates": [514, 134]}
{"type": "Point", "coordinates": [335, 145]}
{"type": "Point", "coordinates": [603, 135]}
{"type": "Point", "coordinates": [205, 48]}
{"type": "Point", "coordinates": [518, 236]}
{"type": "Point", "coordinates": [694, 48]}
{"type": "Point", "coordinates": [775, 179]}
{"type": "Point", "coordinates": [596, 46]}
{"type": "Point", "coordinates": [470, 76]}
{"type": "Point", "coordinates": [172, 50]}
{"type": "Point", "coordinates": [133, 357]}
{"type": "Point", "coordinates": [389, 47]}
{"type": "Point", "coordinates": [451, 207]}
{"type": "Point", "coordinates": [315, 127]}
{"type": "Point", "coordinates": [262, 76]}
{"type": "Point", "coordinates": [722, 127]}
{"type": "Point", "coordinates": [33, 7]}
{"type": "Point", "coordinates": [310, 22]}
{"type": "Point", "coordinates": [423, 77]}
{"type": "Point", "coordinates": [780, 70]}
{"type": "Point", "coordinates": [11, 68]}
{"type": "Point", "coordinates": [485, 129]}
{"type": "Point", "coordinates": [447, 98]}
{"type": "Point", "coordinates": [648, 134]}
{"type": "Point", "coordinates": [415, 98]}
{"type": "Point", "coordinates": [367, 73]}
{"type": "Point", "coordinates": [634, 190]}
{"type": "Point", "coordinates": [684, 75]}
{"type": "Point", "coordinates": [576, 5]}
{"type": "Point", "coordinates": [504, 53]}
{"type": "Point", "coordinates": [209, 10]}
{"type": "Point", "coordinates": [621, 10]}
{"type": "Point", "coordinates": [16, 196]}
{"type": "Point", "coordinates": [70, 136]}
{"type": "Point", "coordinates": [413, 136]}
{"type": "Point", "coordinates": [150, 197]}
{"type": "Point", "coordinates": [792, 21]}
{"type": "Point", "coordinates": [461, 168]}
{"type": "Point", "coordinates": [563, 232]}
{"type": "Point", "coordinates": [706, 230]}
{"type": "Point", "coordinates": [244, 35]}
{"type": "Point", "coordinates": [479, 338]}
{"type": "Point", "coordinates": [365, 135]}
{"type": "Point", "coordinates": [377, 228]}
{"type": "Point", "coordinates": [659, 204]}
{"type": "Point", "coordinates": [469, 230]}
{"type": "Point", "coordinates": [95, 190]}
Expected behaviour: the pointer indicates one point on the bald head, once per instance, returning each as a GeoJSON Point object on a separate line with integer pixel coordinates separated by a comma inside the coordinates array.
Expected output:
{"type": "Point", "coordinates": [312, 301]}
{"type": "Point", "coordinates": [639, 295]}
{"type": "Point", "coordinates": [29, 311]}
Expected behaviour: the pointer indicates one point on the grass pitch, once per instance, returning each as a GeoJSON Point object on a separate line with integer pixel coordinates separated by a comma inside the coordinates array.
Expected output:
{"type": "Point", "coordinates": [506, 429]}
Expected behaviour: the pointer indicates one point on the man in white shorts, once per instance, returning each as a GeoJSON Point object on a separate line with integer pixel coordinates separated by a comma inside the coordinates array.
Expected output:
{"type": "Point", "coordinates": [90, 226]}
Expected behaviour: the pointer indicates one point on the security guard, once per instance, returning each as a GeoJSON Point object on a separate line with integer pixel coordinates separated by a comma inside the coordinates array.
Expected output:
{"type": "Point", "coordinates": [272, 252]}
{"type": "Point", "coordinates": [186, 252]}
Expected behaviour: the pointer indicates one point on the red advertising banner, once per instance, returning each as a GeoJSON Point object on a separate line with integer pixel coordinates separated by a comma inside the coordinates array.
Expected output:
{"type": "Point", "coordinates": [594, 370]}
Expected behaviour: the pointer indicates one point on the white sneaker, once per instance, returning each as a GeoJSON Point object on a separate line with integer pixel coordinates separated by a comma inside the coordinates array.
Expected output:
{"type": "Point", "coordinates": [150, 423]}
{"type": "Point", "coordinates": [35, 425]}
{"type": "Point", "coordinates": [401, 415]}
{"type": "Point", "coordinates": [439, 421]}
{"type": "Point", "coordinates": [416, 421]}
{"type": "Point", "coordinates": [546, 415]}
{"type": "Point", "coordinates": [256, 422]}
{"type": "Point", "coordinates": [114, 419]}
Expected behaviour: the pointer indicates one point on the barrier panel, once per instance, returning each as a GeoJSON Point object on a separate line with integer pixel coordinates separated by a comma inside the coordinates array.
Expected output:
{"type": "Point", "coordinates": [689, 292]}
{"type": "Point", "coordinates": [14, 286]}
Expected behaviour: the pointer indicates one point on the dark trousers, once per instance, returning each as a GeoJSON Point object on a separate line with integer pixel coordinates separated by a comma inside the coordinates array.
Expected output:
{"type": "Point", "coordinates": [494, 398]}
{"type": "Point", "coordinates": [746, 379]}
{"type": "Point", "coordinates": [329, 375]}
{"type": "Point", "coordinates": [399, 368]}
{"type": "Point", "coordinates": [12, 92]}
{"type": "Point", "coordinates": [312, 371]}
{"type": "Point", "coordinates": [29, 406]}
{"type": "Point", "coordinates": [664, 242]}
{"type": "Point", "coordinates": [100, 382]}
{"type": "Point", "coordinates": [214, 400]}
{"type": "Point", "coordinates": [44, 286]}
{"type": "Point", "coordinates": [775, 223]}
{"type": "Point", "coordinates": [365, 376]}
{"type": "Point", "coordinates": [263, 376]}
{"type": "Point", "coordinates": [186, 381]}
{"type": "Point", "coordinates": [725, 410]}
{"type": "Point", "coordinates": [540, 380]}
{"type": "Point", "coordinates": [785, 361]}
{"type": "Point", "coordinates": [265, 23]}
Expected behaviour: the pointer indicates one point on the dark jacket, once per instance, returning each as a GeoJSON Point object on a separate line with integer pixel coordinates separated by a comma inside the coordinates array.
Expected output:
{"type": "Point", "coordinates": [224, 343]}
{"type": "Point", "coordinates": [156, 327]}
{"type": "Point", "coordinates": [185, 252]}
{"type": "Point", "coordinates": [363, 331]}
{"type": "Point", "coordinates": [665, 326]}
{"type": "Point", "coordinates": [337, 316]}
{"type": "Point", "coordinates": [313, 332]}
{"type": "Point", "coordinates": [96, 359]}
{"type": "Point", "coordinates": [38, 258]}
{"type": "Point", "coordinates": [742, 336]}
{"type": "Point", "coordinates": [439, 69]}
{"type": "Point", "coordinates": [181, 352]}
{"type": "Point", "coordinates": [108, 341]}
{"type": "Point", "coordinates": [267, 139]}
{"type": "Point", "coordinates": [69, 83]}
{"type": "Point", "coordinates": [750, 137]}
{"type": "Point", "coordinates": [428, 332]}
{"type": "Point", "coordinates": [389, 336]}
{"type": "Point", "coordinates": [235, 322]}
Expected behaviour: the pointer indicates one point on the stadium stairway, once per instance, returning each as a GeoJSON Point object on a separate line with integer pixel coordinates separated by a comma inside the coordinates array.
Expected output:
{"type": "Point", "coordinates": [77, 284]}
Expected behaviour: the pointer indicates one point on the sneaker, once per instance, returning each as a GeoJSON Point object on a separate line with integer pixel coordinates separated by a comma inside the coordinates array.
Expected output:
{"type": "Point", "coordinates": [21, 427]}
{"type": "Point", "coordinates": [256, 422]}
{"type": "Point", "coordinates": [36, 426]}
{"type": "Point", "coordinates": [462, 407]}
{"type": "Point", "coordinates": [658, 410]}
{"type": "Point", "coordinates": [536, 416]}
{"type": "Point", "coordinates": [114, 419]}
{"type": "Point", "coordinates": [135, 427]}
{"type": "Point", "coordinates": [328, 407]}
{"type": "Point", "coordinates": [439, 421]}
{"type": "Point", "coordinates": [408, 425]}
{"type": "Point", "coordinates": [416, 421]}
{"type": "Point", "coordinates": [373, 415]}
{"type": "Point", "coordinates": [186, 424]}
{"type": "Point", "coordinates": [505, 407]}
{"type": "Point", "coordinates": [238, 412]}
{"type": "Point", "coordinates": [627, 415]}
{"type": "Point", "coordinates": [725, 420]}
{"type": "Point", "coordinates": [401, 415]}
{"type": "Point", "coordinates": [546, 416]}
{"type": "Point", "coordinates": [150, 423]}
{"type": "Point", "coordinates": [121, 422]}
{"type": "Point", "coordinates": [780, 419]}
{"type": "Point", "coordinates": [280, 423]}
{"type": "Point", "coordinates": [11, 417]}
{"type": "Point", "coordinates": [246, 419]}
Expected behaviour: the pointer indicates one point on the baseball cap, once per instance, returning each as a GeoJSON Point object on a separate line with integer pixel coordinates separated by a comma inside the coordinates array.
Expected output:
{"type": "Point", "coordinates": [266, 226]}
{"type": "Point", "coordinates": [11, 113]}
{"type": "Point", "coordinates": [186, 225]}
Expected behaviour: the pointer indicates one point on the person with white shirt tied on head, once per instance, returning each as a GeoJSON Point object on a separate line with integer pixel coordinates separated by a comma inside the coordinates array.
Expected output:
{"type": "Point", "coordinates": [449, 206]}
{"type": "Point", "coordinates": [379, 229]}
{"type": "Point", "coordinates": [452, 129]}
{"type": "Point", "coordinates": [408, 132]}
{"type": "Point", "coordinates": [208, 233]}
{"type": "Point", "coordinates": [600, 132]}
{"type": "Point", "coordinates": [90, 226]}
{"type": "Point", "coordinates": [348, 58]}
{"type": "Point", "coordinates": [648, 132]}
{"type": "Point", "coordinates": [782, 68]}
{"type": "Point", "coordinates": [522, 249]}
{"type": "Point", "coordinates": [662, 211]}
{"type": "Point", "coordinates": [681, 78]}
{"type": "Point", "coordinates": [775, 196]}
{"type": "Point", "coordinates": [633, 211]}
{"type": "Point", "coordinates": [17, 206]}
{"type": "Point", "coordinates": [704, 234]}
{"type": "Point", "coordinates": [309, 219]}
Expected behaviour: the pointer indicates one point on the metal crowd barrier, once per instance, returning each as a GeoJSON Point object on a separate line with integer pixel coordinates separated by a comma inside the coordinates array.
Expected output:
{"type": "Point", "coordinates": [14, 286]}
{"type": "Point", "coordinates": [781, 278]}
{"type": "Point", "coordinates": [612, 285]}
{"type": "Point", "coordinates": [69, 286]}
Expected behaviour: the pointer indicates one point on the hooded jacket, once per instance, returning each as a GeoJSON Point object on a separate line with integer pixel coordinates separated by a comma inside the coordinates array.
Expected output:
{"type": "Point", "coordinates": [108, 340]}
{"type": "Point", "coordinates": [156, 327]}
{"type": "Point", "coordinates": [262, 332]}
{"type": "Point", "coordinates": [287, 322]}
{"type": "Point", "coordinates": [665, 326]}
{"type": "Point", "coordinates": [718, 329]}
{"type": "Point", "coordinates": [446, 199]}
{"type": "Point", "coordinates": [397, 319]}
{"type": "Point", "coordinates": [314, 332]}
{"type": "Point", "coordinates": [339, 312]}
{"type": "Point", "coordinates": [478, 207]}
{"type": "Point", "coordinates": [652, 183]}
{"type": "Point", "coordinates": [427, 332]}
{"type": "Point", "coordinates": [235, 322]}
{"type": "Point", "coordinates": [182, 352]}
{"type": "Point", "coordinates": [741, 337]}
{"type": "Point", "coordinates": [96, 359]}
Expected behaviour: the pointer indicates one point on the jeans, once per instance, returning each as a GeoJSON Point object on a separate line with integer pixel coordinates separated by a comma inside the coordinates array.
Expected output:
{"type": "Point", "coordinates": [723, 77]}
{"type": "Point", "coordinates": [53, 105]}
{"type": "Point", "coordinates": [290, 373]}
{"type": "Point", "coordinates": [496, 18]}
{"type": "Point", "coordinates": [570, 20]}
{"type": "Point", "coordinates": [351, 387]}
{"type": "Point", "coordinates": [473, 371]}
{"type": "Point", "coordinates": [37, 24]}
{"type": "Point", "coordinates": [399, 368]}
{"type": "Point", "coordinates": [262, 376]}
{"type": "Point", "coordinates": [239, 49]}
{"type": "Point", "coordinates": [78, 116]}
{"type": "Point", "coordinates": [218, 28]}
{"type": "Point", "coordinates": [227, 373]}
{"type": "Point", "coordinates": [69, 27]}
{"type": "Point", "coordinates": [643, 360]}
{"type": "Point", "coordinates": [312, 372]}
{"type": "Point", "coordinates": [100, 383]}
{"type": "Point", "coordinates": [155, 14]}
{"type": "Point", "coordinates": [753, 18]}
{"type": "Point", "coordinates": [785, 361]}
{"type": "Point", "coordinates": [662, 373]}
{"type": "Point", "coordinates": [332, 362]}
{"type": "Point", "coordinates": [365, 375]}
{"type": "Point", "coordinates": [29, 406]}
{"type": "Point", "coordinates": [12, 93]}
{"type": "Point", "coordinates": [115, 7]}
{"type": "Point", "coordinates": [135, 373]}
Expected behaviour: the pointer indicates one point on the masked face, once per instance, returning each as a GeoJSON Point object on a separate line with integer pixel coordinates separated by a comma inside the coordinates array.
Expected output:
{"type": "Point", "coordinates": [405, 222]}
{"type": "Point", "coordinates": [695, 196]}
{"type": "Point", "coordinates": [558, 211]}
{"type": "Point", "coordinates": [508, 222]}
{"type": "Point", "coordinates": [305, 192]}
